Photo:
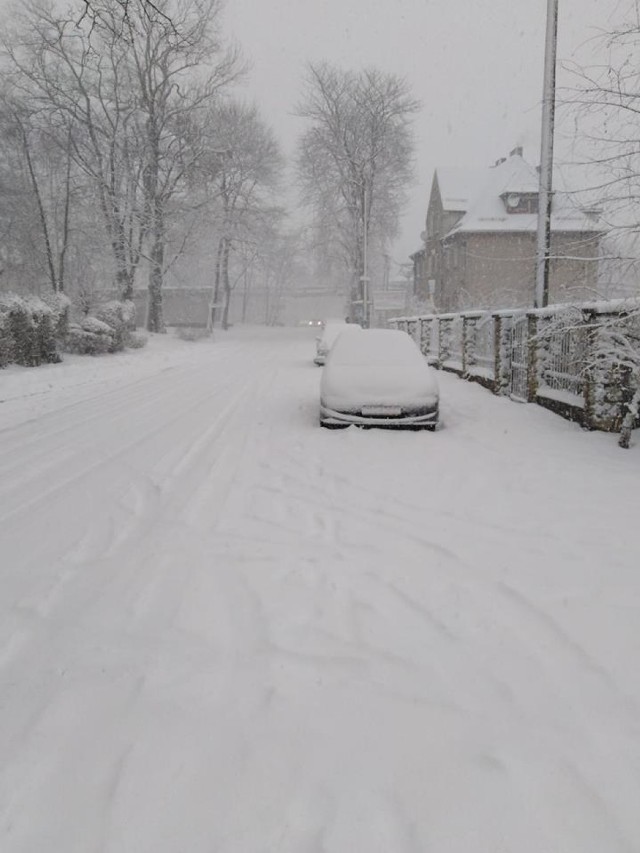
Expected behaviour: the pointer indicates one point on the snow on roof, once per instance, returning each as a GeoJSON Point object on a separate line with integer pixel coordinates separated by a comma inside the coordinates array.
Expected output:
{"type": "Point", "coordinates": [459, 186]}
{"type": "Point", "coordinates": [487, 212]}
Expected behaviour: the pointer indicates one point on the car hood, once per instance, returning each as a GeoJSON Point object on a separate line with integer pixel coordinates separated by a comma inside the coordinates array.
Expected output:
{"type": "Point", "coordinates": [356, 385]}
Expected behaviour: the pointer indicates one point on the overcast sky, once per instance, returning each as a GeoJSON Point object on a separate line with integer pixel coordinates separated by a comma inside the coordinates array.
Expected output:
{"type": "Point", "coordinates": [476, 66]}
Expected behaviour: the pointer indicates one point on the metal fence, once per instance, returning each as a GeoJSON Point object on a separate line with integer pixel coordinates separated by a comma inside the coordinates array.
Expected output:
{"type": "Point", "coordinates": [563, 348]}
{"type": "Point", "coordinates": [481, 357]}
{"type": "Point", "coordinates": [582, 361]}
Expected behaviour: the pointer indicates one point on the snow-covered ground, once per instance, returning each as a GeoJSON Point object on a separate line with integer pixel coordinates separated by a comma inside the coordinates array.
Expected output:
{"type": "Point", "coordinates": [225, 630]}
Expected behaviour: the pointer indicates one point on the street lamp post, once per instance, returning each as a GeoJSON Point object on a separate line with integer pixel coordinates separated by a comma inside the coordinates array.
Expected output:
{"type": "Point", "coordinates": [545, 193]}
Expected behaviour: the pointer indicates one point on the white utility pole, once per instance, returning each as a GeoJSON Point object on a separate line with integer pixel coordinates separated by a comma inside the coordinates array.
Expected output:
{"type": "Point", "coordinates": [545, 193]}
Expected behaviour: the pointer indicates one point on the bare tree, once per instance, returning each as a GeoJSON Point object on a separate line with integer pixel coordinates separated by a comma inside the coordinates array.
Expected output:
{"type": "Point", "coordinates": [47, 177]}
{"type": "Point", "coordinates": [128, 82]}
{"type": "Point", "coordinates": [604, 104]}
{"type": "Point", "coordinates": [168, 45]}
{"type": "Point", "coordinates": [247, 162]}
{"type": "Point", "coordinates": [355, 160]}
{"type": "Point", "coordinates": [82, 91]}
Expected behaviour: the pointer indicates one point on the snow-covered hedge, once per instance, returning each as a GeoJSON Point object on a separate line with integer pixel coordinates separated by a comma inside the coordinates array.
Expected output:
{"type": "Point", "coordinates": [91, 337]}
{"type": "Point", "coordinates": [121, 317]}
{"type": "Point", "coordinates": [34, 330]}
{"type": "Point", "coordinates": [6, 347]}
{"type": "Point", "coordinates": [110, 330]}
{"type": "Point", "coordinates": [28, 330]}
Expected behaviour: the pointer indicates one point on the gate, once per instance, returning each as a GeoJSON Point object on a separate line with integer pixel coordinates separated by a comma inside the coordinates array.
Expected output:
{"type": "Point", "coordinates": [520, 359]}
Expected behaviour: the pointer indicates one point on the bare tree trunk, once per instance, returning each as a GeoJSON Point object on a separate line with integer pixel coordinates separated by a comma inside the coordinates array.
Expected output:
{"type": "Point", "coordinates": [225, 282]}
{"type": "Point", "coordinates": [65, 222]}
{"type": "Point", "coordinates": [245, 295]}
{"type": "Point", "coordinates": [213, 308]}
{"type": "Point", "coordinates": [155, 315]}
{"type": "Point", "coordinates": [41, 212]}
{"type": "Point", "coordinates": [124, 275]}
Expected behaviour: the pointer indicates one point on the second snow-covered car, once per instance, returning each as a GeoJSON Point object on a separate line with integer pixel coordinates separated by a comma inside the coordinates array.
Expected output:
{"type": "Point", "coordinates": [330, 332]}
{"type": "Point", "coordinates": [378, 378]}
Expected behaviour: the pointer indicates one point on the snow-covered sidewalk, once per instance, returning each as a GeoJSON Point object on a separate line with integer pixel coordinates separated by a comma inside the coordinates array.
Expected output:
{"type": "Point", "coordinates": [225, 629]}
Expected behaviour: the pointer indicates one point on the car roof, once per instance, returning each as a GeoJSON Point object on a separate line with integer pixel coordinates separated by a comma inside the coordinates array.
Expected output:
{"type": "Point", "coordinates": [376, 345]}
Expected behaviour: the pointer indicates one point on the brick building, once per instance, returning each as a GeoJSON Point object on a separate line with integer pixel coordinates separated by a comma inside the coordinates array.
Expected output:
{"type": "Point", "coordinates": [480, 240]}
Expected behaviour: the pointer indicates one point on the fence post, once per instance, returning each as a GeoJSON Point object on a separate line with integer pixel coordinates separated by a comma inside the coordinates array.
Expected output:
{"type": "Point", "coordinates": [444, 340]}
{"type": "Point", "coordinates": [436, 334]}
{"type": "Point", "coordinates": [532, 357]}
{"type": "Point", "coordinates": [608, 388]}
{"type": "Point", "coordinates": [425, 334]}
{"type": "Point", "coordinates": [591, 371]}
{"type": "Point", "coordinates": [502, 354]}
{"type": "Point", "coordinates": [468, 343]}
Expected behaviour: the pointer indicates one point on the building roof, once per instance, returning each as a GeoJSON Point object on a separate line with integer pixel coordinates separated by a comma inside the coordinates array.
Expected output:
{"type": "Point", "coordinates": [486, 211]}
{"type": "Point", "coordinates": [458, 186]}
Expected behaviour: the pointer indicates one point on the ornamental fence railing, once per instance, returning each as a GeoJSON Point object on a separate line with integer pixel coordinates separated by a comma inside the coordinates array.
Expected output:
{"type": "Point", "coordinates": [580, 361]}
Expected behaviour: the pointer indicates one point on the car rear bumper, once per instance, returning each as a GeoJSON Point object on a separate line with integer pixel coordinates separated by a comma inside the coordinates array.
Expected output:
{"type": "Point", "coordinates": [333, 417]}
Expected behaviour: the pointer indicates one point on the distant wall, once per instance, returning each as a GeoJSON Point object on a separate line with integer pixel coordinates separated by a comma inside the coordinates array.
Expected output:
{"type": "Point", "coordinates": [189, 306]}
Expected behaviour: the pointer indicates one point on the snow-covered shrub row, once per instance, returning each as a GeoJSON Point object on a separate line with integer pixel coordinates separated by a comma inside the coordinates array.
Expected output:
{"type": "Point", "coordinates": [6, 348]}
{"type": "Point", "coordinates": [31, 329]}
{"type": "Point", "coordinates": [110, 330]}
{"type": "Point", "coordinates": [34, 330]}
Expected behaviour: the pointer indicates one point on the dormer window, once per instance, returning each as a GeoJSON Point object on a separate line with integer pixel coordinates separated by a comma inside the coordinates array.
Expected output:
{"type": "Point", "coordinates": [518, 202]}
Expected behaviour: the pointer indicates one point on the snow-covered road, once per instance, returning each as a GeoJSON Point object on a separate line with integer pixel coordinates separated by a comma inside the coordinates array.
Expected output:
{"type": "Point", "coordinates": [225, 630]}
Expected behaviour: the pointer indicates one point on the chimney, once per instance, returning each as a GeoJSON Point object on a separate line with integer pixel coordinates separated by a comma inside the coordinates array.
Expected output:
{"type": "Point", "coordinates": [517, 151]}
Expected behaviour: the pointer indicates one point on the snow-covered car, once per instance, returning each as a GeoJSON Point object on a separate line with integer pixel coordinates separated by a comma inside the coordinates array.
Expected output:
{"type": "Point", "coordinates": [378, 378]}
{"type": "Point", "coordinates": [330, 332]}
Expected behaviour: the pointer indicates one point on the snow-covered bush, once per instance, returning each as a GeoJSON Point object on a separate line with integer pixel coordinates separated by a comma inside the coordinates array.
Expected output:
{"type": "Point", "coordinates": [28, 331]}
{"type": "Point", "coordinates": [137, 340]}
{"type": "Point", "coordinates": [5, 341]}
{"type": "Point", "coordinates": [615, 373]}
{"type": "Point", "coordinates": [113, 314]}
{"type": "Point", "coordinates": [110, 330]}
{"type": "Point", "coordinates": [121, 317]}
{"type": "Point", "coordinates": [96, 326]}
{"type": "Point", "coordinates": [21, 329]}
{"type": "Point", "coordinates": [92, 337]}
{"type": "Point", "coordinates": [44, 343]}
{"type": "Point", "coordinates": [61, 307]}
